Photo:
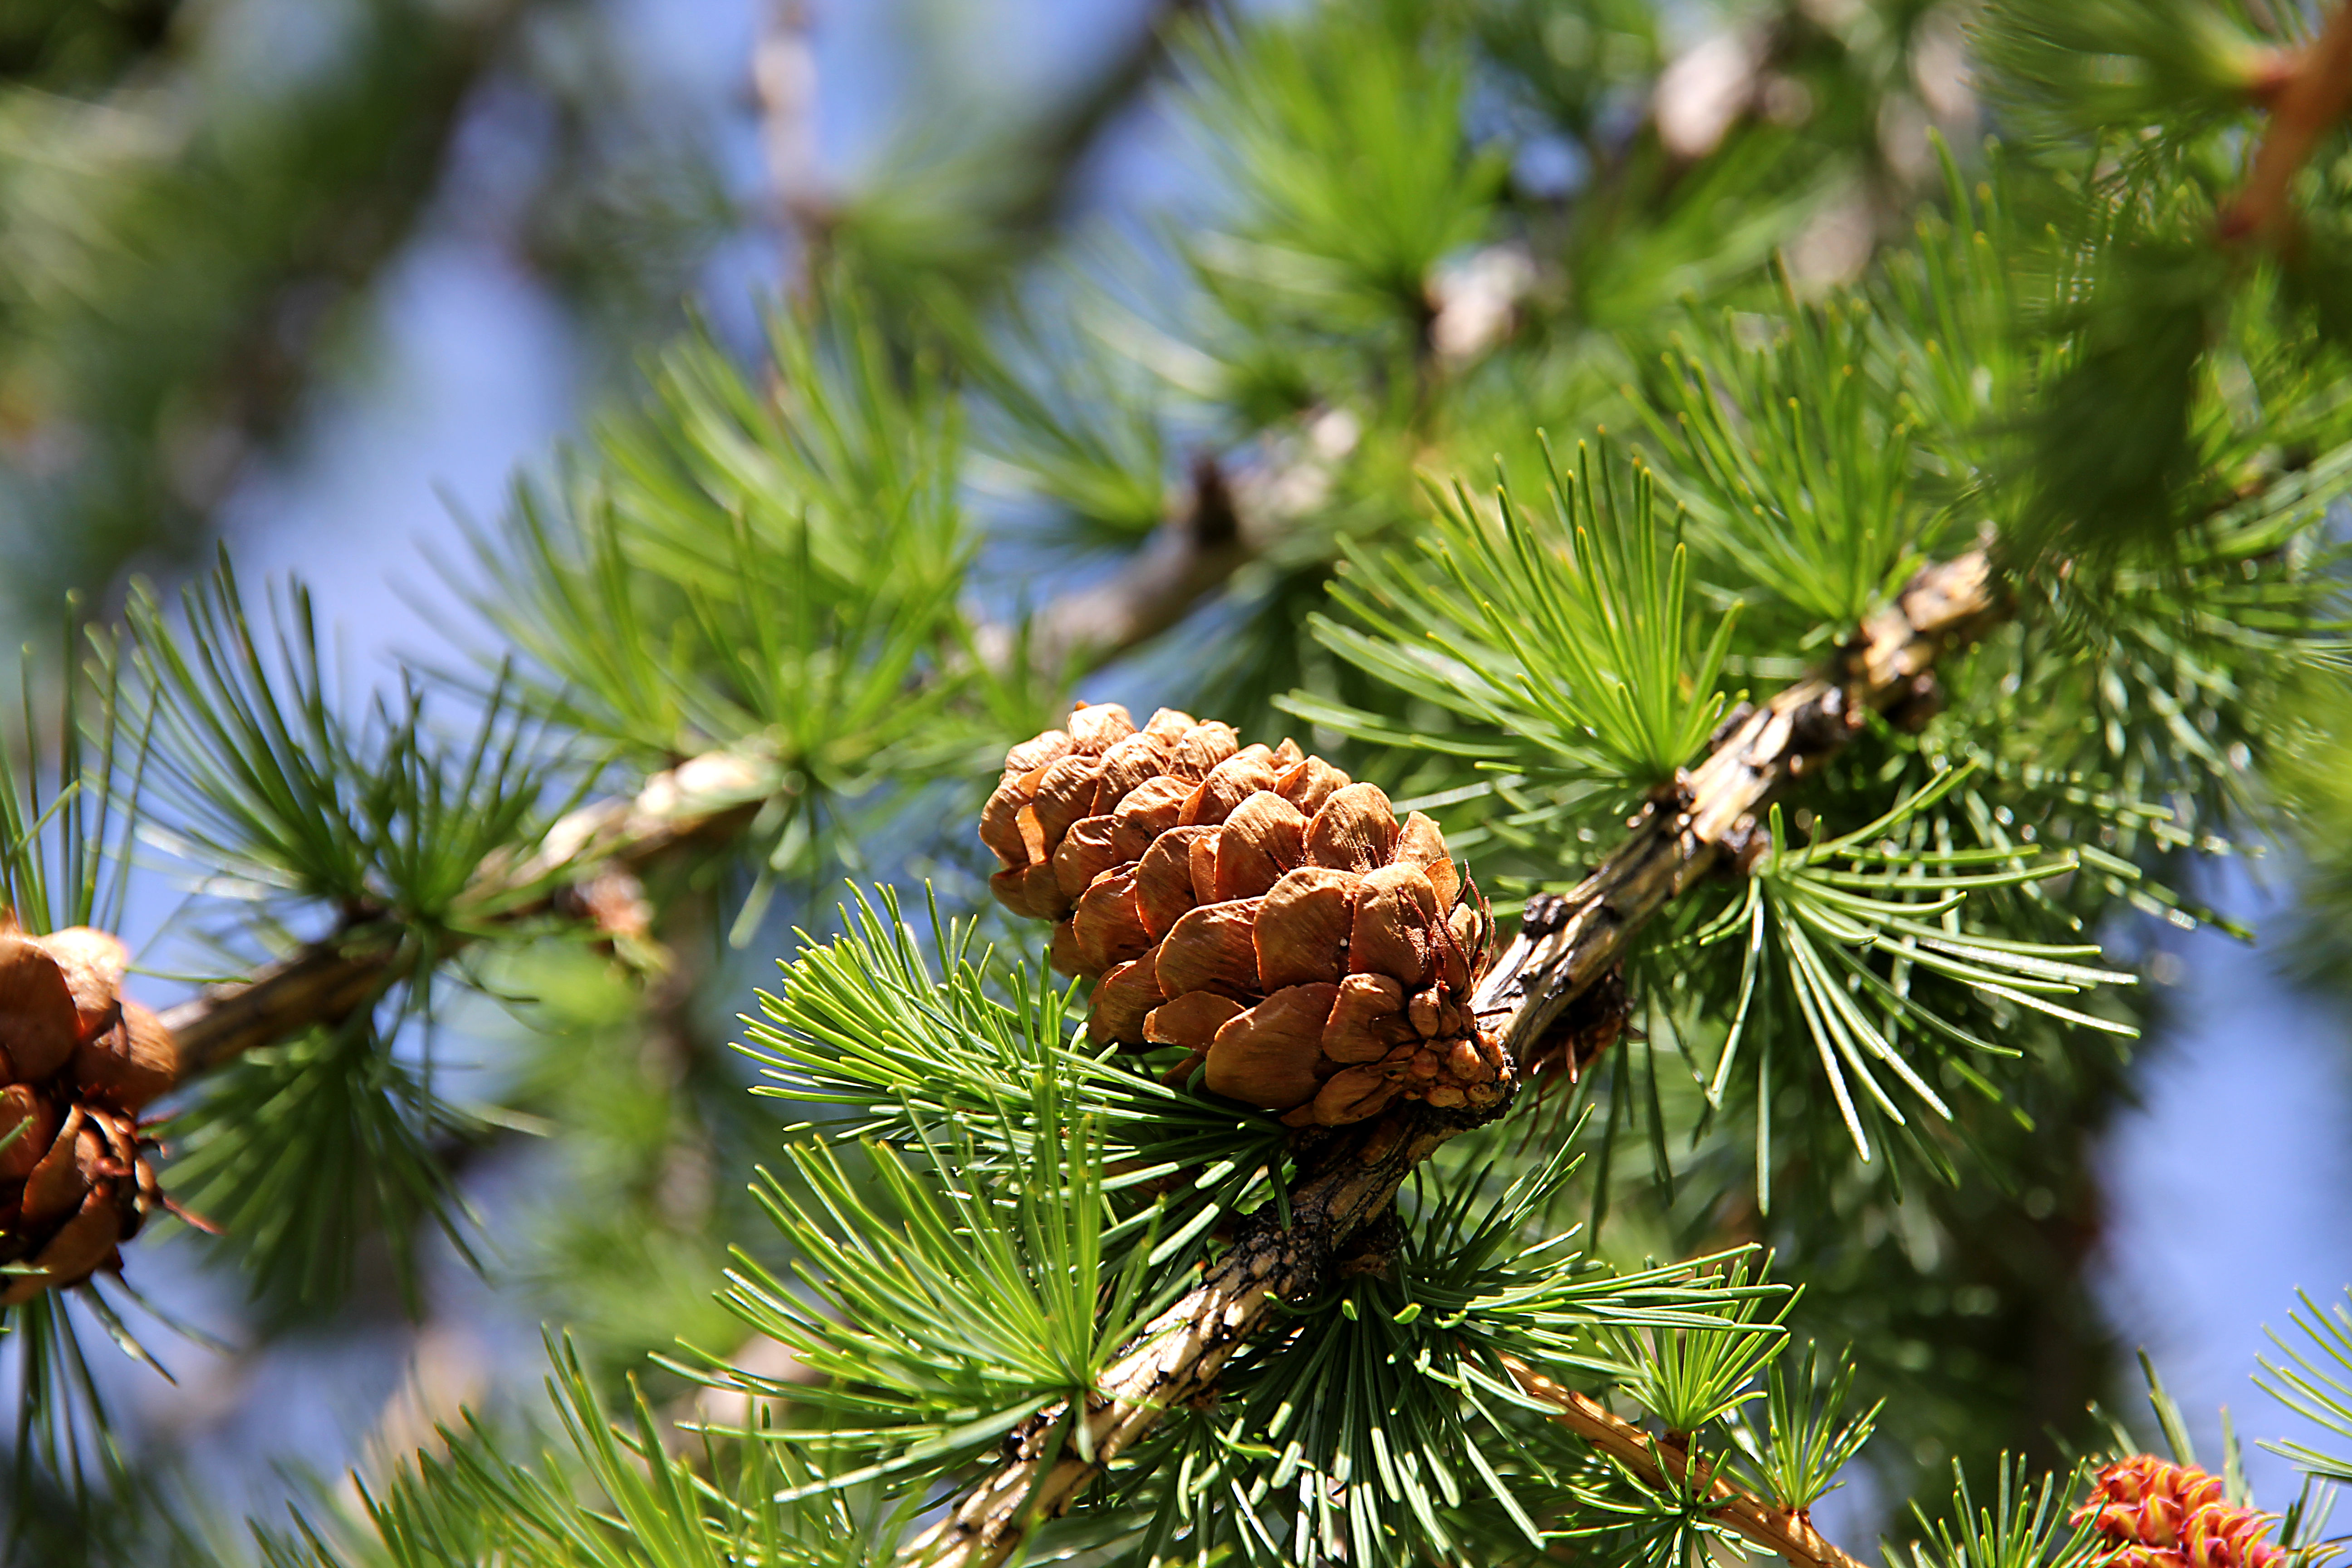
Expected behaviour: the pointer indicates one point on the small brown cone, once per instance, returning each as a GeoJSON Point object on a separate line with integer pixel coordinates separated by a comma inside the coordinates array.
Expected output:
{"type": "Point", "coordinates": [77, 1063]}
{"type": "Point", "coordinates": [1254, 905]}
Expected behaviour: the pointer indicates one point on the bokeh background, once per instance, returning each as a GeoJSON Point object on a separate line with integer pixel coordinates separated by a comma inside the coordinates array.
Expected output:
{"type": "Point", "coordinates": [318, 278]}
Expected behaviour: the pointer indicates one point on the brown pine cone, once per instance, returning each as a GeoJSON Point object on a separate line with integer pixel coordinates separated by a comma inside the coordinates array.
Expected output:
{"type": "Point", "coordinates": [1253, 906]}
{"type": "Point", "coordinates": [77, 1063]}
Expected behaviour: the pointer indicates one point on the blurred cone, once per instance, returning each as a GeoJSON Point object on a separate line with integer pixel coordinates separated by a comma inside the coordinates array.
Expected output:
{"type": "Point", "coordinates": [76, 1065]}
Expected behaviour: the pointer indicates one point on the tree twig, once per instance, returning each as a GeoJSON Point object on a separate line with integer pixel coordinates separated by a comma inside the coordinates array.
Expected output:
{"type": "Point", "coordinates": [1178, 1357]}
{"type": "Point", "coordinates": [1661, 1462]}
{"type": "Point", "coordinates": [1565, 944]}
{"type": "Point", "coordinates": [697, 800]}
{"type": "Point", "coordinates": [1186, 558]}
{"type": "Point", "coordinates": [2311, 98]}
{"type": "Point", "coordinates": [784, 76]}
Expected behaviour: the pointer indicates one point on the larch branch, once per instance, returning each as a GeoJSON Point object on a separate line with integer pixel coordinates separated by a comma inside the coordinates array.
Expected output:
{"type": "Point", "coordinates": [2305, 102]}
{"type": "Point", "coordinates": [705, 798]}
{"type": "Point", "coordinates": [1565, 944]}
{"type": "Point", "coordinates": [1661, 1463]}
{"type": "Point", "coordinates": [702, 799]}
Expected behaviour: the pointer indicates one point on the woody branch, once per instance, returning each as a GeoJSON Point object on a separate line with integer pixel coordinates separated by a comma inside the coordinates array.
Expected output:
{"type": "Point", "coordinates": [2306, 94]}
{"type": "Point", "coordinates": [705, 799]}
{"type": "Point", "coordinates": [1661, 1462]}
{"type": "Point", "coordinates": [1565, 944]}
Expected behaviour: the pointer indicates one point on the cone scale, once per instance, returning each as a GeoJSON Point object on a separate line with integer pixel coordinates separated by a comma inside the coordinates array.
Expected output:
{"type": "Point", "coordinates": [1254, 905]}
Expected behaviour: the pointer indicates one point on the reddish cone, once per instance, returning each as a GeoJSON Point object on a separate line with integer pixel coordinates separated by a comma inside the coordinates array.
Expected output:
{"type": "Point", "coordinates": [2154, 1515]}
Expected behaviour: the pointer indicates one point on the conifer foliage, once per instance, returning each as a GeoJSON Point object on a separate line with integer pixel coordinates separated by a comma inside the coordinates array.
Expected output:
{"type": "Point", "coordinates": [1828, 672]}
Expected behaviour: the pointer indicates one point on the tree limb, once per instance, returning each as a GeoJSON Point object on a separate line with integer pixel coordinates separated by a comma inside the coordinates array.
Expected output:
{"type": "Point", "coordinates": [1565, 944]}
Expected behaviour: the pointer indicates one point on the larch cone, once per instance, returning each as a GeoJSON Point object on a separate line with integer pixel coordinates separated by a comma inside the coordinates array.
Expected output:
{"type": "Point", "coordinates": [78, 1063]}
{"type": "Point", "coordinates": [1255, 907]}
{"type": "Point", "coordinates": [2148, 1513]}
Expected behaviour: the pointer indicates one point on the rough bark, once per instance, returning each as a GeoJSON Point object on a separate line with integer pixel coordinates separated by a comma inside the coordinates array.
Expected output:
{"type": "Point", "coordinates": [1565, 944]}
